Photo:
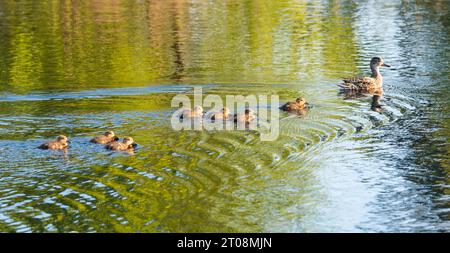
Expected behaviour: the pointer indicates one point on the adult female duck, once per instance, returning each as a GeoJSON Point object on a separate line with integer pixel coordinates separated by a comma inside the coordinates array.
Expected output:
{"type": "Point", "coordinates": [366, 84]}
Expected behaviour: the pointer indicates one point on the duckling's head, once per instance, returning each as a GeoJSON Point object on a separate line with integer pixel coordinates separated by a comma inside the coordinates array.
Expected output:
{"type": "Point", "coordinates": [378, 62]}
{"type": "Point", "coordinates": [301, 101]}
{"type": "Point", "coordinates": [225, 111]}
{"type": "Point", "coordinates": [198, 109]}
{"type": "Point", "coordinates": [62, 139]}
{"type": "Point", "coordinates": [249, 112]}
{"type": "Point", "coordinates": [109, 134]}
{"type": "Point", "coordinates": [128, 140]}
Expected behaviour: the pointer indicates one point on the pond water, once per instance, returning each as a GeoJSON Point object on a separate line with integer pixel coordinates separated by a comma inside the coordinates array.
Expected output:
{"type": "Point", "coordinates": [81, 67]}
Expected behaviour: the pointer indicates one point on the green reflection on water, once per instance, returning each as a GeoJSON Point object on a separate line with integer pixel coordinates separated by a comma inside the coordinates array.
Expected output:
{"type": "Point", "coordinates": [63, 45]}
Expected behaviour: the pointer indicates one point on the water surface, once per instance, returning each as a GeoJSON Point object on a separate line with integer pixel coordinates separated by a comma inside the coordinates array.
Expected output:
{"type": "Point", "coordinates": [79, 68]}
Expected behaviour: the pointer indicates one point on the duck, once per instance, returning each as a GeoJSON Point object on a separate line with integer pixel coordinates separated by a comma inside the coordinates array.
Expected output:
{"type": "Point", "coordinates": [196, 113]}
{"type": "Point", "coordinates": [61, 143]}
{"type": "Point", "coordinates": [223, 114]}
{"type": "Point", "coordinates": [297, 105]}
{"type": "Point", "coordinates": [106, 138]}
{"type": "Point", "coordinates": [247, 117]}
{"type": "Point", "coordinates": [127, 144]}
{"type": "Point", "coordinates": [366, 84]}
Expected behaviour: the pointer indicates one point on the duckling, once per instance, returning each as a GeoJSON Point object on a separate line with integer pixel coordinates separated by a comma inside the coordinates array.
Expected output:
{"type": "Point", "coordinates": [61, 142]}
{"type": "Point", "coordinates": [299, 104]}
{"type": "Point", "coordinates": [223, 114]}
{"type": "Point", "coordinates": [366, 84]}
{"type": "Point", "coordinates": [127, 144]}
{"type": "Point", "coordinates": [247, 117]}
{"type": "Point", "coordinates": [106, 138]}
{"type": "Point", "coordinates": [188, 113]}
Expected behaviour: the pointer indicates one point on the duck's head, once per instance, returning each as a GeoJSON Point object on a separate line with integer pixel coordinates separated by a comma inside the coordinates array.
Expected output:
{"type": "Point", "coordinates": [198, 109]}
{"type": "Point", "coordinates": [378, 62]}
{"type": "Point", "coordinates": [128, 140]}
{"type": "Point", "coordinates": [301, 101]}
{"type": "Point", "coordinates": [62, 139]}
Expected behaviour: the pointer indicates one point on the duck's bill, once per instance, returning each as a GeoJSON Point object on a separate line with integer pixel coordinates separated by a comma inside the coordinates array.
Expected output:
{"type": "Point", "coordinates": [385, 65]}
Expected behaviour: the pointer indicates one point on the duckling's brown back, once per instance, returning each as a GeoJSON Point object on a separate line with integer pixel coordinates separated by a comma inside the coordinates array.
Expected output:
{"type": "Point", "coordinates": [54, 145]}
{"type": "Point", "coordinates": [119, 146]}
{"type": "Point", "coordinates": [102, 139]}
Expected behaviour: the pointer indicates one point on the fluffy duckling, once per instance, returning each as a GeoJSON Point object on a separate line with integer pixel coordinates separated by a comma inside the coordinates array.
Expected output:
{"type": "Point", "coordinates": [61, 142]}
{"type": "Point", "coordinates": [106, 138]}
{"type": "Point", "coordinates": [247, 117]}
{"type": "Point", "coordinates": [223, 114]}
{"type": "Point", "coordinates": [188, 113]}
{"type": "Point", "coordinates": [127, 144]}
{"type": "Point", "coordinates": [299, 104]}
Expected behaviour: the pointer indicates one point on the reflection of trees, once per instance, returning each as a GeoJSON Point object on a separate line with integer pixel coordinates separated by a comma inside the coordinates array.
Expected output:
{"type": "Point", "coordinates": [178, 30]}
{"type": "Point", "coordinates": [76, 45]}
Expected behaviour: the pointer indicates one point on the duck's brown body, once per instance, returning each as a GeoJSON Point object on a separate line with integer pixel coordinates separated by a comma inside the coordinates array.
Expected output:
{"type": "Point", "coordinates": [366, 84]}
{"type": "Point", "coordinates": [60, 143]}
{"type": "Point", "coordinates": [126, 145]}
{"type": "Point", "coordinates": [297, 105]}
{"type": "Point", "coordinates": [362, 84]}
{"type": "Point", "coordinates": [106, 138]}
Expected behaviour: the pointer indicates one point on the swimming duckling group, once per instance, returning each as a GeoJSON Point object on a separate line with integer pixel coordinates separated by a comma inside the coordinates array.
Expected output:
{"type": "Point", "coordinates": [109, 139]}
{"type": "Point", "coordinates": [357, 84]}
{"type": "Point", "coordinates": [223, 114]}
{"type": "Point", "coordinates": [297, 106]}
